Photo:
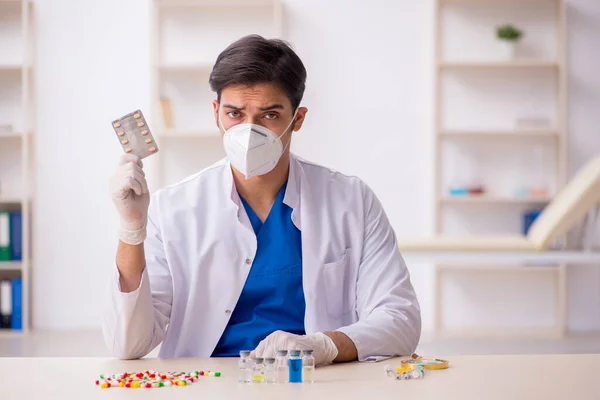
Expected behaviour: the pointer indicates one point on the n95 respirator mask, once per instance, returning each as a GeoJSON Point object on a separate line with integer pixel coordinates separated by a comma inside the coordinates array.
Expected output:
{"type": "Point", "coordinates": [253, 149]}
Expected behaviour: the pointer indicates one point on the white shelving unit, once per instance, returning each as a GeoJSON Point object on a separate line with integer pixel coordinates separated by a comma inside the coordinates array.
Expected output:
{"type": "Point", "coordinates": [188, 35]}
{"type": "Point", "coordinates": [479, 97]}
{"type": "Point", "coordinates": [16, 130]}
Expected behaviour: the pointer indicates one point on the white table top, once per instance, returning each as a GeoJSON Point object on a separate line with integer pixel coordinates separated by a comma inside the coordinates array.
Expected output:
{"type": "Point", "coordinates": [469, 377]}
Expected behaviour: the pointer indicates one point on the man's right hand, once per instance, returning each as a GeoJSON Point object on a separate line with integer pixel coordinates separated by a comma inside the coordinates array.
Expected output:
{"type": "Point", "coordinates": [129, 191]}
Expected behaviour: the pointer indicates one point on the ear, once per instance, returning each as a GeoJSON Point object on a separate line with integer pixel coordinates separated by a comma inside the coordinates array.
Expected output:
{"type": "Point", "coordinates": [216, 112]}
{"type": "Point", "coordinates": [300, 116]}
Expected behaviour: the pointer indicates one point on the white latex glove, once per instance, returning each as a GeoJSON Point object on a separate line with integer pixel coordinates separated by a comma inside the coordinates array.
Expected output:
{"type": "Point", "coordinates": [324, 350]}
{"type": "Point", "coordinates": [129, 191]}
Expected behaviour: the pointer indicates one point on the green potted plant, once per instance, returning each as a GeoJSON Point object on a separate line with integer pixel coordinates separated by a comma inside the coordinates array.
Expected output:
{"type": "Point", "coordinates": [509, 36]}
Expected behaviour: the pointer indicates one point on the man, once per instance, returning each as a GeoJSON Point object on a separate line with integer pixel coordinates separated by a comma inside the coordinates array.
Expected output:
{"type": "Point", "coordinates": [262, 251]}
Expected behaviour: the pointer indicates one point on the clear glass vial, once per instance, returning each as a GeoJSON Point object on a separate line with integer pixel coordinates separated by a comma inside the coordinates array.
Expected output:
{"type": "Point", "coordinates": [270, 370]}
{"type": "Point", "coordinates": [282, 366]}
{"type": "Point", "coordinates": [308, 366]}
{"type": "Point", "coordinates": [258, 370]}
{"type": "Point", "coordinates": [244, 367]}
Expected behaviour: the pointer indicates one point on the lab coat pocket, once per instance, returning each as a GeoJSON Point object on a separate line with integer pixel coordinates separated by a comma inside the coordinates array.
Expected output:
{"type": "Point", "coordinates": [338, 287]}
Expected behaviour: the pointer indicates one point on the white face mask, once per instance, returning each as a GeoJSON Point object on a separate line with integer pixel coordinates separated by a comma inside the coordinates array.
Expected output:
{"type": "Point", "coordinates": [253, 149]}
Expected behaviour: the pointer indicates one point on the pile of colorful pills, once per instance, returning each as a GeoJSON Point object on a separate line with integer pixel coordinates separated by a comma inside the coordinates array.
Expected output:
{"type": "Point", "coordinates": [150, 379]}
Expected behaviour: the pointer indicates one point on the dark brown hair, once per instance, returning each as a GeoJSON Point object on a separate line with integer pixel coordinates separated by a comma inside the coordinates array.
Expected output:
{"type": "Point", "coordinates": [254, 59]}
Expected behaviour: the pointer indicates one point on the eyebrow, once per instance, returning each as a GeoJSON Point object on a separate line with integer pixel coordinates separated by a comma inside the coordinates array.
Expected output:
{"type": "Point", "coordinates": [267, 108]}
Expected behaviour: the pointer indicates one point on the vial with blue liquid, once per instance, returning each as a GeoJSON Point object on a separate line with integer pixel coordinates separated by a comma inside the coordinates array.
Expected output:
{"type": "Point", "coordinates": [295, 366]}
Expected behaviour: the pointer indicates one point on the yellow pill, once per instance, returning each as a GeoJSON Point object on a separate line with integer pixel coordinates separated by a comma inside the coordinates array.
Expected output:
{"type": "Point", "coordinates": [144, 132]}
{"type": "Point", "coordinates": [124, 141]}
{"type": "Point", "coordinates": [181, 383]}
{"type": "Point", "coordinates": [136, 115]}
{"type": "Point", "coordinates": [105, 386]}
{"type": "Point", "coordinates": [148, 140]}
{"type": "Point", "coordinates": [135, 385]}
{"type": "Point", "coordinates": [128, 150]}
{"type": "Point", "coordinates": [117, 124]}
{"type": "Point", "coordinates": [141, 123]}
{"type": "Point", "coordinates": [121, 384]}
{"type": "Point", "coordinates": [121, 133]}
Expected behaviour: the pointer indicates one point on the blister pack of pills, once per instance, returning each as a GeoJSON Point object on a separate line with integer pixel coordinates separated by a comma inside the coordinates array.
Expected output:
{"type": "Point", "coordinates": [134, 135]}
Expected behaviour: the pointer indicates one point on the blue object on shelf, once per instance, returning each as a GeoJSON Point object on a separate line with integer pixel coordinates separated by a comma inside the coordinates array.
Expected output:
{"type": "Point", "coordinates": [528, 218]}
{"type": "Point", "coordinates": [16, 321]}
{"type": "Point", "coordinates": [16, 236]}
{"type": "Point", "coordinates": [458, 191]}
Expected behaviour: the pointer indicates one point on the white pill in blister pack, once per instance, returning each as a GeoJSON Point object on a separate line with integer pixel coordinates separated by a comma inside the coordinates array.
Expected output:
{"type": "Point", "coordinates": [134, 135]}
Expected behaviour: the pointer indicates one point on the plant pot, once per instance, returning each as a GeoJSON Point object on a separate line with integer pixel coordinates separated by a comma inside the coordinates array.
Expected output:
{"type": "Point", "coordinates": [508, 50]}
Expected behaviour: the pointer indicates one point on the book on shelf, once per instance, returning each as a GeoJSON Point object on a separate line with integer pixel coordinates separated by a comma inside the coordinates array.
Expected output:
{"type": "Point", "coordinates": [11, 304]}
{"type": "Point", "coordinates": [11, 236]}
{"type": "Point", "coordinates": [4, 236]}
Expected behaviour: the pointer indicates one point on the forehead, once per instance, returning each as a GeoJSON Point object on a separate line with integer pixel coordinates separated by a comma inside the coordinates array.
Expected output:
{"type": "Point", "coordinates": [258, 95]}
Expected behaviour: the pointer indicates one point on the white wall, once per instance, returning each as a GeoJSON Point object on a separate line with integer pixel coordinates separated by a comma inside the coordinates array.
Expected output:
{"type": "Point", "coordinates": [369, 94]}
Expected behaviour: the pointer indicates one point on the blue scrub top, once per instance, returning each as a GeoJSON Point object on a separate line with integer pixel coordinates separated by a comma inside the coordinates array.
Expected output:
{"type": "Point", "coordinates": [272, 298]}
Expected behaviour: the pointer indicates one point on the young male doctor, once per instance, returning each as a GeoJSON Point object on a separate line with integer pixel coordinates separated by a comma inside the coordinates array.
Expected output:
{"type": "Point", "coordinates": [262, 251]}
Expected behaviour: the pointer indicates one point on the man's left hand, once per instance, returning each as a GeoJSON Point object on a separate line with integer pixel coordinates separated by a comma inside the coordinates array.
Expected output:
{"type": "Point", "coordinates": [323, 347]}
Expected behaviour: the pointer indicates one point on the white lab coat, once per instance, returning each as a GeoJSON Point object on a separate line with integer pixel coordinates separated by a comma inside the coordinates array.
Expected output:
{"type": "Point", "coordinates": [200, 247]}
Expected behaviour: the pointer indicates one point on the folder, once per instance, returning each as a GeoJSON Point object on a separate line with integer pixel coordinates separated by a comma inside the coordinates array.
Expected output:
{"type": "Point", "coordinates": [5, 303]}
{"type": "Point", "coordinates": [16, 236]}
{"type": "Point", "coordinates": [16, 322]}
{"type": "Point", "coordinates": [4, 236]}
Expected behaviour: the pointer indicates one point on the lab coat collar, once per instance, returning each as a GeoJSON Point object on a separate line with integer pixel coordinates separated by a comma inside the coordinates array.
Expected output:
{"type": "Point", "coordinates": [292, 192]}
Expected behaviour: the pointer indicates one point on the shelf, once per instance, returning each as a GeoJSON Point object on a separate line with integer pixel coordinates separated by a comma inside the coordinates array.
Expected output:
{"type": "Point", "coordinates": [516, 64]}
{"type": "Point", "coordinates": [10, 200]}
{"type": "Point", "coordinates": [494, 1]}
{"type": "Point", "coordinates": [11, 135]}
{"type": "Point", "coordinates": [500, 134]}
{"type": "Point", "coordinates": [11, 67]}
{"type": "Point", "coordinates": [11, 265]}
{"type": "Point", "coordinates": [9, 333]}
{"type": "Point", "coordinates": [215, 3]}
{"type": "Point", "coordinates": [500, 267]}
{"type": "Point", "coordinates": [190, 134]}
{"type": "Point", "coordinates": [493, 200]}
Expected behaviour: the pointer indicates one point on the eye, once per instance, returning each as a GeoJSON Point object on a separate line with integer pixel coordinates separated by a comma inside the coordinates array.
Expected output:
{"type": "Point", "coordinates": [271, 116]}
{"type": "Point", "coordinates": [233, 114]}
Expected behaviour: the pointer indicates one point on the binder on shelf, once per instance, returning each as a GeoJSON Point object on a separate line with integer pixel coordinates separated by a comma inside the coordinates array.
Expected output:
{"type": "Point", "coordinates": [16, 236]}
{"type": "Point", "coordinates": [5, 304]}
{"type": "Point", "coordinates": [16, 322]}
{"type": "Point", "coordinates": [4, 236]}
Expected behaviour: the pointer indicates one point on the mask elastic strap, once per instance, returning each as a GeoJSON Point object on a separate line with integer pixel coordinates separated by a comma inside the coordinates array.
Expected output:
{"type": "Point", "coordinates": [289, 125]}
{"type": "Point", "coordinates": [220, 122]}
